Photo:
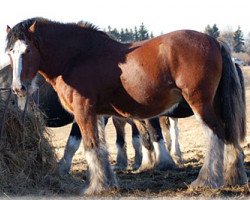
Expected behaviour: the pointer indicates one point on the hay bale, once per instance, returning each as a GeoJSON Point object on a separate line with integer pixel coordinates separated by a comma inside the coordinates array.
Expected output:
{"type": "Point", "coordinates": [28, 164]}
{"type": "Point", "coordinates": [26, 156]}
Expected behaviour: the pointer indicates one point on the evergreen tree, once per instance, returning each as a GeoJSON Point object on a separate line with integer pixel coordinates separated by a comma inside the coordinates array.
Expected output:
{"type": "Point", "coordinates": [143, 33]}
{"type": "Point", "coordinates": [239, 40]}
{"type": "Point", "coordinates": [212, 31]}
{"type": "Point", "coordinates": [122, 36]}
{"type": "Point", "coordinates": [136, 34]}
{"type": "Point", "coordinates": [129, 35]}
{"type": "Point", "coordinates": [113, 33]}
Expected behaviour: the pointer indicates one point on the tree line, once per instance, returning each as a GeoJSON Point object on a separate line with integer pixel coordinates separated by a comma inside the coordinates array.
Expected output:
{"type": "Point", "coordinates": [239, 45]}
{"type": "Point", "coordinates": [129, 35]}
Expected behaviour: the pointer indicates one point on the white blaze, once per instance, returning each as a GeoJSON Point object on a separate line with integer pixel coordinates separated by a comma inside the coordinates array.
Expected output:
{"type": "Point", "coordinates": [16, 54]}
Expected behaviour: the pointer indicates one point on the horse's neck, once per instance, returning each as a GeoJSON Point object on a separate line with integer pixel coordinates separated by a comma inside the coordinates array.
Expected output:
{"type": "Point", "coordinates": [56, 61]}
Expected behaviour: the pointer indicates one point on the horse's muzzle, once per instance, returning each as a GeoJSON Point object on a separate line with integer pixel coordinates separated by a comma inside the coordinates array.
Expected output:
{"type": "Point", "coordinates": [21, 92]}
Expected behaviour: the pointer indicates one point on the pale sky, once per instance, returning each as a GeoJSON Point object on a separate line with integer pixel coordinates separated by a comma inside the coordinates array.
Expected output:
{"type": "Point", "coordinates": [159, 16]}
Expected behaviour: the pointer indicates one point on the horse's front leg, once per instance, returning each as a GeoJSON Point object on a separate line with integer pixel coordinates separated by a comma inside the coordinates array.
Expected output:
{"type": "Point", "coordinates": [100, 173]}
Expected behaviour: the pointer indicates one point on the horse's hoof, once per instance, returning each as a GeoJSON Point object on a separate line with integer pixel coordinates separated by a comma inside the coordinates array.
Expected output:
{"type": "Point", "coordinates": [137, 171]}
{"type": "Point", "coordinates": [98, 188]}
{"type": "Point", "coordinates": [63, 169]}
{"type": "Point", "coordinates": [165, 166]}
{"type": "Point", "coordinates": [239, 179]}
{"type": "Point", "coordinates": [142, 169]}
{"type": "Point", "coordinates": [119, 168]}
{"type": "Point", "coordinates": [201, 183]}
{"type": "Point", "coordinates": [87, 190]}
{"type": "Point", "coordinates": [177, 159]}
{"type": "Point", "coordinates": [135, 167]}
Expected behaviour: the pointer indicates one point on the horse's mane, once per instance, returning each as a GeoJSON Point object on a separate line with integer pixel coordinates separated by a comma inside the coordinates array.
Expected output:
{"type": "Point", "coordinates": [20, 30]}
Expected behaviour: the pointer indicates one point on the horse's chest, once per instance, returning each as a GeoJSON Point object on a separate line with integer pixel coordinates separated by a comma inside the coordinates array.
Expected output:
{"type": "Point", "coordinates": [65, 95]}
{"type": "Point", "coordinates": [65, 103]}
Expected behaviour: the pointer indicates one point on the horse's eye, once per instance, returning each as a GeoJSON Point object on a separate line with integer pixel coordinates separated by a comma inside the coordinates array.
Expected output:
{"type": "Point", "coordinates": [27, 50]}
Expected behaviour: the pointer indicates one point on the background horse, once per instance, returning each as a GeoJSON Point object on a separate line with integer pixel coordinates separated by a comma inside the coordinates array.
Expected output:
{"type": "Point", "coordinates": [140, 80]}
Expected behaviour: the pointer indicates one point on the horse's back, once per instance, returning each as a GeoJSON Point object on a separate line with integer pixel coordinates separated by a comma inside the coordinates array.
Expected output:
{"type": "Point", "coordinates": [157, 72]}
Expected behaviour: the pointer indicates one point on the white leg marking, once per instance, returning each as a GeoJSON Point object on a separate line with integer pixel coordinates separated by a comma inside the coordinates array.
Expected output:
{"type": "Point", "coordinates": [174, 134]}
{"type": "Point", "coordinates": [70, 150]}
{"type": "Point", "coordinates": [211, 173]}
{"type": "Point", "coordinates": [148, 160]}
{"type": "Point", "coordinates": [163, 159]}
{"type": "Point", "coordinates": [234, 170]}
{"type": "Point", "coordinates": [101, 175]}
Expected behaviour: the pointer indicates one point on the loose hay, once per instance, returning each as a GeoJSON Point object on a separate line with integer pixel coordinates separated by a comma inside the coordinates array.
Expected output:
{"type": "Point", "coordinates": [28, 164]}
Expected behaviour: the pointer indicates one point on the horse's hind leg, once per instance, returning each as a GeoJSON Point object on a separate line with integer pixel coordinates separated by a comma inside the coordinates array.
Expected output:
{"type": "Point", "coordinates": [165, 126]}
{"type": "Point", "coordinates": [148, 156]}
{"type": "Point", "coordinates": [174, 134]}
{"type": "Point", "coordinates": [72, 146]}
{"type": "Point", "coordinates": [136, 142]}
{"type": "Point", "coordinates": [121, 158]}
{"type": "Point", "coordinates": [234, 171]}
{"type": "Point", "coordinates": [154, 152]}
{"type": "Point", "coordinates": [162, 157]}
{"type": "Point", "coordinates": [211, 173]}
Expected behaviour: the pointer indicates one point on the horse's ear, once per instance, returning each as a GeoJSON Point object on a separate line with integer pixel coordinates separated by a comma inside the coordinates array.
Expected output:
{"type": "Point", "coordinates": [8, 29]}
{"type": "Point", "coordinates": [32, 28]}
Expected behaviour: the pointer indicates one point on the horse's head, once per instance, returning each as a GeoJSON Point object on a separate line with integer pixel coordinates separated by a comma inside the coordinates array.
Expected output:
{"type": "Point", "coordinates": [24, 56]}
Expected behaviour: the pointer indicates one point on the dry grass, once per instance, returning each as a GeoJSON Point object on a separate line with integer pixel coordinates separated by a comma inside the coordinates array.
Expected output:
{"type": "Point", "coordinates": [28, 164]}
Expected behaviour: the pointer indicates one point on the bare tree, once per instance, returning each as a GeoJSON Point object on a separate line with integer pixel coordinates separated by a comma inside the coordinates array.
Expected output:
{"type": "Point", "coordinates": [247, 44]}
{"type": "Point", "coordinates": [228, 37]}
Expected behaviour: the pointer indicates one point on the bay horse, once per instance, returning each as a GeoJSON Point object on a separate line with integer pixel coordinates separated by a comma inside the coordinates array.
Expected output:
{"type": "Point", "coordinates": [141, 80]}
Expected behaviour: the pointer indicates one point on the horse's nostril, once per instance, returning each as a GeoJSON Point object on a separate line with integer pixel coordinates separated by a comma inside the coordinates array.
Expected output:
{"type": "Point", "coordinates": [23, 88]}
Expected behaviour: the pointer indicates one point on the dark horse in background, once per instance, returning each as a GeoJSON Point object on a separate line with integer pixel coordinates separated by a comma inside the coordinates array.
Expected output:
{"type": "Point", "coordinates": [94, 75]}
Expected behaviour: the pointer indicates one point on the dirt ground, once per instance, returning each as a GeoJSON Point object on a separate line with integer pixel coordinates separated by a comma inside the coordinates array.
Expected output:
{"type": "Point", "coordinates": [158, 183]}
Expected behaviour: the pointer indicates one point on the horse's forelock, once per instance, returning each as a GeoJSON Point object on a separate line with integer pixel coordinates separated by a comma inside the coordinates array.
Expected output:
{"type": "Point", "coordinates": [20, 30]}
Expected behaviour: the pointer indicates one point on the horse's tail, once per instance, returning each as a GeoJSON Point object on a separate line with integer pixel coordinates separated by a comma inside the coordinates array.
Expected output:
{"type": "Point", "coordinates": [232, 99]}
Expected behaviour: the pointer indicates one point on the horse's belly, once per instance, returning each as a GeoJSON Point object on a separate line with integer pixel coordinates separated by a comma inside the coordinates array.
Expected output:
{"type": "Point", "coordinates": [147, 106]}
